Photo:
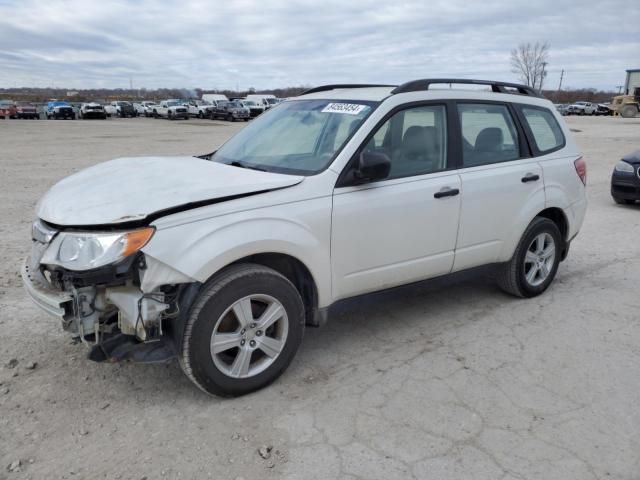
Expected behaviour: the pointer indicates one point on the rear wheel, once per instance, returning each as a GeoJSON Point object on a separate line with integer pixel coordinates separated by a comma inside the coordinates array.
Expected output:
{"type": "Point", "coordinates": [243, 330]}
{"type": "Point", "coordinates": [535, 261]}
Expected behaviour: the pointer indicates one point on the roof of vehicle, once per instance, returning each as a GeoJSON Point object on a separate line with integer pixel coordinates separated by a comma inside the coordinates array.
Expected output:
{"type": "Point", "coordinates": [493, 90]}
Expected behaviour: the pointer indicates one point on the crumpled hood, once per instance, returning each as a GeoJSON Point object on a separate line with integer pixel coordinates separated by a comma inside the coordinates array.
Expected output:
{"type": "Point", "coordinates": [131, 189]}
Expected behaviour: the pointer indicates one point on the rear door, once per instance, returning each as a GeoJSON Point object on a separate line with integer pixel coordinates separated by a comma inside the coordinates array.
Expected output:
{"type": "Point", "coordinates": [502, 185]}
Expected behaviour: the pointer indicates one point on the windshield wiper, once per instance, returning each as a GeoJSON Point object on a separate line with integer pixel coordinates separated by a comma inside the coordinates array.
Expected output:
{"type": "Point", "coordinates": [237, 163]}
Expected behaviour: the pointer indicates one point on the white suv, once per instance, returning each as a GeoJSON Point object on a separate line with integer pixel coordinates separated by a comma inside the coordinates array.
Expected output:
{"type": "Point", "coordinates": [222, 260]}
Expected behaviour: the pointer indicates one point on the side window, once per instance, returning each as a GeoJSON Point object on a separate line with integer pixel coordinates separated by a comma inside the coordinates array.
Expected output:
{"type": "Point", "coordinates": [489, 134]}
{"type": "Point", "coordinates": [415, 140]}
{"type": "Point", "coordinates": [544, 127]}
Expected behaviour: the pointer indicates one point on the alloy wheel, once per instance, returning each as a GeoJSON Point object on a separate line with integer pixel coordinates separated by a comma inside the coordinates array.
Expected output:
{"type": "Point", "coordinates": [539, 259]}
{"type": "Point", "coordinates": [249, 336]}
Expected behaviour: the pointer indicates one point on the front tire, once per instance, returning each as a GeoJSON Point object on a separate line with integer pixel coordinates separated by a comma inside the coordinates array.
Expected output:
{"type": "Point", "coordinates": [242, 331]}
{"type": "Point", "coordinates": [535, 261]}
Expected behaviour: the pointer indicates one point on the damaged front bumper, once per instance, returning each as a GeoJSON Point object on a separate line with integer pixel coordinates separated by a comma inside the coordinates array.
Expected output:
{"type": "Point", "coordinates": [58, 304]}
{"type": "Point", "coordinates": [116, 319]}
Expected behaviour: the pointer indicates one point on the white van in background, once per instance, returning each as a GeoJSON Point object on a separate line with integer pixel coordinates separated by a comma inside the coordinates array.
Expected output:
{"type": "Point", "coordinates": [266, 100]}
{"type": "Point", "coordinates": [214, 97]}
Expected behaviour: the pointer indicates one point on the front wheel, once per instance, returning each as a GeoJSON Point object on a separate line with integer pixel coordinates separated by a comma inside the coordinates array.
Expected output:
{"type": "Point", "coordinates": [243, 330]}
{"type": "Point", "coordinates": [535, 261]}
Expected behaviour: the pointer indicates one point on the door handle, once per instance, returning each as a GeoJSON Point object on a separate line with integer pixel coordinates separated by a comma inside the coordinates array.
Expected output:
{"type": "Point", "coordinates": [530, 177]}
{"type": "Point", "coordinates": [446, 192]}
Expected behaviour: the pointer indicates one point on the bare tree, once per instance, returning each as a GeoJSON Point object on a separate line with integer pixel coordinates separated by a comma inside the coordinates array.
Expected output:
{"type": "Point", "coordinates": [529, 61]}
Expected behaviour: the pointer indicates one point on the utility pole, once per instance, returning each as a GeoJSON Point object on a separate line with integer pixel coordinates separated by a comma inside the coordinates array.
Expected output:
{"type": "Point", "coordinates": [561, 77]}
{"type": "Point", "coordinates": [619, 87]}
{"type": "Point", "coordinates": [543, 74]}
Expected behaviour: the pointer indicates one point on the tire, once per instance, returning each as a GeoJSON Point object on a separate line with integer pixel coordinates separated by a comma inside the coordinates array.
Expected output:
{"type": "Point", "coordinates": [229, 117]}
{"type": "Point", "coordinates": [623, 201]}
{"type": "Point", "coordinates": [629, 111]}
{"type": "Point", "coordinates": [213, 310]}
{"type": "Point", "coordinates": [200, 114]}
{"type": "Point", "coordinates": [513, 276]}
{"type": "Point", "coordinates": [169, 115]}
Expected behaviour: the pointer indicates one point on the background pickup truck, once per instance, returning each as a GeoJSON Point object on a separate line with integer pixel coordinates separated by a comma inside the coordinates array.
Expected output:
{"type": "Point", "coordinates": [57, 109]}
{"type": "Point", "coordinates": [582, 108]}
{"type": "Point", "coordinates": [171, 109]}
{"type": "Point", "coordinates": [121, 109]}
{"type": "Point", "coordinates": [199, 108]}
{"type": "Point", "coordinates": [231, 111]}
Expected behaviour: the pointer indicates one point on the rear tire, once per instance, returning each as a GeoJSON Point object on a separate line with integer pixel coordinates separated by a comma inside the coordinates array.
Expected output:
{"type": "Point", "coordinates": [535, 262]}
{"type": "Point", "coordinates": [242, 364]}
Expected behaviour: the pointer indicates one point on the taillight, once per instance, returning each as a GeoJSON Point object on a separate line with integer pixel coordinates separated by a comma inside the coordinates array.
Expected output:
{"type": "Point", "coordinates": [581, 169]}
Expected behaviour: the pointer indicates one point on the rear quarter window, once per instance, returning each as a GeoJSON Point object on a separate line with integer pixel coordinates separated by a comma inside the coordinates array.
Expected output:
{"type": "Point", "coordinates": [544, 128]}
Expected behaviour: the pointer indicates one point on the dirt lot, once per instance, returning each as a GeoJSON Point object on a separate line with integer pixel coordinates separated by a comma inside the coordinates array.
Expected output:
{"type": "Point", "coordinates": [444, 380]}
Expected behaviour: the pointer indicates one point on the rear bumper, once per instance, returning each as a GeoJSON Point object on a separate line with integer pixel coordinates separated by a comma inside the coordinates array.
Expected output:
{"type": "Point", "coordinates": [57, 304]}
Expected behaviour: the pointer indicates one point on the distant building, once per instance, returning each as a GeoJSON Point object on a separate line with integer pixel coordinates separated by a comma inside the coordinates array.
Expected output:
{"type": "Point", "coordinates": [72, 93]}
{"type": "Point", "coordinates": [632, 81]}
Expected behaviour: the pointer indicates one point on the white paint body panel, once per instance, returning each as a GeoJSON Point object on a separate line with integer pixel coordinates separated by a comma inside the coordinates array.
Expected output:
{"type": "Point", "coordinates": [393, 232]}
{"type": "Point", "coordinates": [129, 189]}
{"type": "Point", "coordinates": [352, 240]}
{"type": "Point", "coordinates": [496, 208]}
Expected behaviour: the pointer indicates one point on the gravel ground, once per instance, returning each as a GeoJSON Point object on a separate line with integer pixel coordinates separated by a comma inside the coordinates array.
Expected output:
{"type": "Point", "coordinates": [443, 380]}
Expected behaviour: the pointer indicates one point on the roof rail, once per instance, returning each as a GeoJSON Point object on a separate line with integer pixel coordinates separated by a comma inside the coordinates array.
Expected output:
{"type": "Point", "coordinates": [324, 88]}
{"type": "Point", "coordinates": [498, 87]}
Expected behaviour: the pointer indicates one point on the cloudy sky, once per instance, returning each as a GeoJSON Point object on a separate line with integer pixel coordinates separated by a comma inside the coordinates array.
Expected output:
{"type": "Point", "coordinates": [272, 43]}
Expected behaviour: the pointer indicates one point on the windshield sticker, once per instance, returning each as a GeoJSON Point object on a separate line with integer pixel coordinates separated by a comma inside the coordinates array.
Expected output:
{"type": "Point", "coordinates": [348, 108]}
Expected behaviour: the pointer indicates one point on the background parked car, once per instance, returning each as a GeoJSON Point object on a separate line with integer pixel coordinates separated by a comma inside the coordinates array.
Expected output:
{"type": "Point", "coordinates": [603, 109]}
{"type": "Point", "coordinates": [214, 97]}
{"type": "Point", "coordinates": [57, 109]}
{"type": "Point", "coordinates": [27, 110]}
{"type": "Point", "coordinates": [139, 108]}
{"type": "Point", "coordinates": [7, 109]}
{"type": "Point", "coordinates": [582, 108]}
{"type": "Point", "coordinates": [124, 109]}
{"type": "Point", "coordinates": [171, 109]}
{"type": "Point", "coordinates": [199, 108]}
{"type": "Point", "coordinates": [265, 100]}
{"type": "Point", "coordinates": [110, 110]}
{"type": "Point", "coordinates": [562, 108]}
{"type": "Point", "coordinates": [232, 111]}
{"type": "Point", "coordinates": [92, 110]}
{"type": "Point", "coordinates": [254, 108]}
{"type": "Point", "coordinates": [148, 107]}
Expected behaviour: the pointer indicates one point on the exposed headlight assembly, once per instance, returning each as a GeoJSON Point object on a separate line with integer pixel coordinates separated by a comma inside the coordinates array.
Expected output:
{"type": "Point", "coordinates": [624, 167]}
{"type": "Point", "coordinates": [88, 250]}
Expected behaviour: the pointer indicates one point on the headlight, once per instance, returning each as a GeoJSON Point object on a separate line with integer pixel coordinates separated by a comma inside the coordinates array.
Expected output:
{"type": "Point", "coordinates": [84, 251]}
{"type": "Point", "coordinates": [624, 167]}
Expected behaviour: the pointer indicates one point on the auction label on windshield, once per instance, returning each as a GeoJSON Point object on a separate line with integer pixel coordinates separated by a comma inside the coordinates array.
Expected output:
{"type": "Point", "coordinates": [348, 108]}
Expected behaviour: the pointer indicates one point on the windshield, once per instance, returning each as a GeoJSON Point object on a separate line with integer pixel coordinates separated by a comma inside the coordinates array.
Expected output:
{"type": "Point", "coordinates": [272, 101]}
{"type": "Point", "coordinates": [123, 104]}
{"type": "Point", "coordinates": [173, 104]}
{"type": "Point", "coordinates": [249, 103]}
{"type": "Point", "coordinates": [299, 137]}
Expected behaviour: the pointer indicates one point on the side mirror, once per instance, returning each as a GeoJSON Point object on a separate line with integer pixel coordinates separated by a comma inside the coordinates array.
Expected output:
{"type": "Point", "coordinates": [372, 166]}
